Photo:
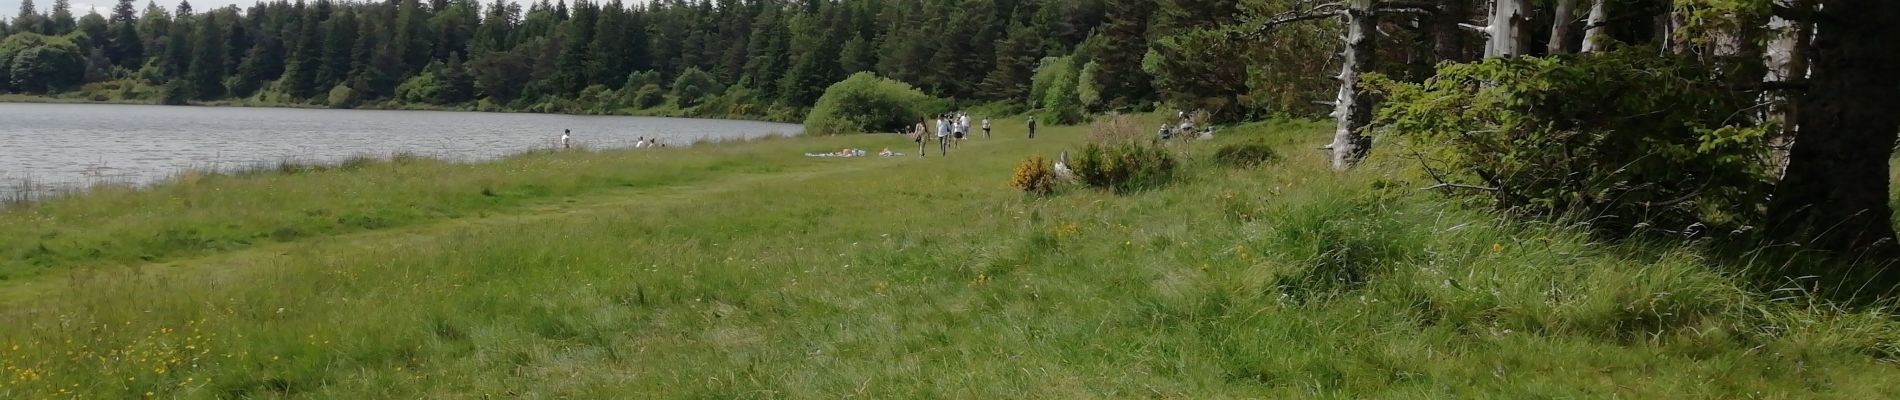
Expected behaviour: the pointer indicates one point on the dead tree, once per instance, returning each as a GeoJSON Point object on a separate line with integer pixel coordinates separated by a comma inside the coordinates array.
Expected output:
{"type": "Point", "coordinates": [1594, 32]}
{"type": "Point", "coordinates": [1505, 31]}
{"type": "Point", "coordinates": [1786, 62]}
{"type": "Point", "coordinates": [1352, 106]}
{"type": "Point", "coordinates": [1560, 26]}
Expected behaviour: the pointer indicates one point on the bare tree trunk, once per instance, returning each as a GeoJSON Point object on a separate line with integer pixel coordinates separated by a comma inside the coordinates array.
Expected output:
{"type": "Point", "coordinates": [1835, 195]}
{"type": "Point", "coordinates": [1786, 60]}
{"type": "Point", "coordinates": [1353, 108]}
{"type": "Point", "coordinates": [1673, 23]}
{"type": "Point", "coordinates": [1560, 26]}
{"type": "Point", "coordinates": [1505, 32]}
{"type": "Point", "coordinates": [1594, 33]}
{"type": "Point", "coordinates": [1448, 41]}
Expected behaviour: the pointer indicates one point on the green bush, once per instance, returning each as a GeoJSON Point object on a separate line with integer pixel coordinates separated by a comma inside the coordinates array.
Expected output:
{"type": "Point", "coordinates": [1245, 155]}
{"type": "Point", "coordinates": [342, 96]}
{"type": "Point", "coordinates": [1048, 71]}
{"type": "Point", "coordinates": [1055, 86]}
{"type": "Point", "coordinates": [647, 96]}
{"type": "Point", "coordinates": [423, 88]}
{"type": "Point", "coordinates": [1034, 176]}
{"type": "Point", "coordinates": [174, 93]}
{"type": "Point", "coordinates": [1626, 138]}
{"type": "Point", "coordinates": [692, 86]}
{"type": "Point", "coordinates": [867, 103]}
{"type": "Point", "coordinates": [1124, 167]}
{"type": "Point", "coordinates": [640, 79]}
{"type": "Point", "coordinates": [36, 63]}
{"type": "Point", "coordinates": [735, 101]}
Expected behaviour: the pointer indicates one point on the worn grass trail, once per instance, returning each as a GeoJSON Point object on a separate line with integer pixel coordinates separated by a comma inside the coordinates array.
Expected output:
{"type": "Point", "coordinates": [914, 277]}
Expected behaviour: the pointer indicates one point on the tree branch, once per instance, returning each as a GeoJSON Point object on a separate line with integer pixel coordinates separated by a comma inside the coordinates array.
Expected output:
{"type": "Point", "coordinates": [1427, 6]}
{"type": "Point", "coordinates": [1321, 11]}
{"type": "Point", "coordinates": [1458, 186]}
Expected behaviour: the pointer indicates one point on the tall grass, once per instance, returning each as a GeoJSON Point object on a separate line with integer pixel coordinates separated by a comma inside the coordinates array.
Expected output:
{"type": "Point", "coordinates": [209, 210]}
{"type": "Point", "coordinates": [918, 277]}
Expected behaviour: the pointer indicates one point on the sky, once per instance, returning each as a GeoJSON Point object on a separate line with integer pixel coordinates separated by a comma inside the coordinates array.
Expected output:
{"type": "Point", "coordinates": [10, 8]}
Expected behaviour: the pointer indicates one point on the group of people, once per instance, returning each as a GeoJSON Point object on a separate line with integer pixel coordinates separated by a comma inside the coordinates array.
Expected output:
{"type": "Point", "coordinates": [567, 141]}
{"type": "Point", "coordinates": [949, 129]}
{"type": "Point", "coordinates": [1183, 128]}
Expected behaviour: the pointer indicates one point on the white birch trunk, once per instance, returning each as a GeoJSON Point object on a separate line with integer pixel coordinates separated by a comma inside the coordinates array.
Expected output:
{"type": "Point", "coordinates": [1353, 107]}
{"type": "Point", "coordinates": [1785, 57]}
{"type": "Point", "coordinates": [1560, 26]}
{"type": "Point", "coordinates": [1506, 29]}
{"type": "Point", "coordinates": [1594, 33]}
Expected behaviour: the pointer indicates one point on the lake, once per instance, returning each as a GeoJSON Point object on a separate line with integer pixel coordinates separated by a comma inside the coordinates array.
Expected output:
{"type": "Point", "coordinates": [72, 145]}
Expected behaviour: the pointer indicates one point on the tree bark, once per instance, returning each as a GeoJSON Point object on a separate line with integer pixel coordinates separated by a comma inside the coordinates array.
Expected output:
{"type": "Point", "coordinates": [1448, 40]}
{"type": "Point", "coordinates": [1560, 26]}
{"type": "Point", "coordinates": [1786, 60]}
{"type": "Point", "coordinates": [1835, 193]}
{"type": "Point", "coordinates": [1594, 32]}
{"type": "Point", "coordinates": [1673, 22]}
{"type": "Point", "coordinates": [1506, 29]}
{"type": "Point", "coordinates": [1353, 107]}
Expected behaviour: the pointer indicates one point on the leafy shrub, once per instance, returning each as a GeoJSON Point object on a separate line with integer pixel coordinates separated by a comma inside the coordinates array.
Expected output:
{"type": "Point", "coordinates": [1034, 176]}
{"type": "Point", "coordinates": [735, 101]}
{"type": "Point", "coordinates": [647, 96]}
{"type": "Point", "coordinates": [1048, 71]}
{"type": "Point", "coordinates": [1063, 105]}
{"type": "Point", "coordinates": [35, 63]}
{"type": "Point", "coordinates": [174, 93]}
{"type": "Point", "coordinates": [1124, 167]}
{"type": "Point", "coordinates": [342, 96]}
{"type": "Point", "coordinates": [639, 79]}
{"type": "Point", "coordinates": [1626, 138]}
{"type": "Point", "coordinates": [692, 86]}
{"type": "Point", "coordinates": [868, 103]}
{"type": "Point", "coordinates": [422, 88]}
{"type": "Point", "coordinates": [1245, 155]}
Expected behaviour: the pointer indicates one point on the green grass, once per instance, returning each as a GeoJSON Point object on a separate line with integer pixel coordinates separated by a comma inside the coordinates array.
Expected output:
{"type": "Point", "coordinates": [743, 270]}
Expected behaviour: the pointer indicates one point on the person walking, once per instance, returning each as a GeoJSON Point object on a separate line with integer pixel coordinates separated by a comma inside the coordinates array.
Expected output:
{"type": "Point", "coordinates": [986, 127]}
{"type": "Point", "coordinates": [943, 135]}
{"type": "Point", "coordinates": [567, 140]}
{"type": "Point", "coordinates": [917, 134]}
{"type": "Point", "coordinates": [963, 126]}
{"type": "Point", "coordinates": [1032, 127]}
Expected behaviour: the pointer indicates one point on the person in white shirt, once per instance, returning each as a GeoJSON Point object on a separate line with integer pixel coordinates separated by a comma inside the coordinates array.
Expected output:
{"type": "Point", "coordinates": [567, 141]}
{"type": "Point", "coordinates": [943, 135]}
{"type": "Point", "coordinates": [963, 126]}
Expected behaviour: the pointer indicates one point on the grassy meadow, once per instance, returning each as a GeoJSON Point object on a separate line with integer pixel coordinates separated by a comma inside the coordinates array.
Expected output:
{"type": "Point", "coordinates": [746, 270]}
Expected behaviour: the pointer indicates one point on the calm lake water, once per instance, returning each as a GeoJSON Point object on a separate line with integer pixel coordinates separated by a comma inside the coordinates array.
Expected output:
{"type": "Point", "coordinates": [65, 146]}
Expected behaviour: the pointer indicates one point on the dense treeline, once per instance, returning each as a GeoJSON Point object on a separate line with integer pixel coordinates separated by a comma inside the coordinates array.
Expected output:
{"type": "Point", "coordinates": [725, 57]}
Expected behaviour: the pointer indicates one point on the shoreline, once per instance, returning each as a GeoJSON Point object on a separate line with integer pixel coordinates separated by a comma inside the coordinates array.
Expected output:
{"type": "Point", "coordinates": [653, 112]}
{"type": "Point", "coordinates": [25, 191]}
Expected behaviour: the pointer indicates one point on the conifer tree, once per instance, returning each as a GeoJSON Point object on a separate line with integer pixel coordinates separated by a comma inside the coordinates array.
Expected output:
{"type": "Point", "coordinates": [610, 54]}
{"type": "Point", "coordinates": [1124, 32]}
{"type": "Point", "coordinates": [61, 20]}
{"type": "Point", "coordinates": [304, 54]}
{"type": "Point", "coordinates": [29, 20]}
{"type": "Point", "coordinates": [124, 46]}
{"type": "Point", "coordinates": [339, 37]}
{"type": "Point", "coordinates": [206, 74]}
{"type": "Point", "coordinates": [1016, 60]}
